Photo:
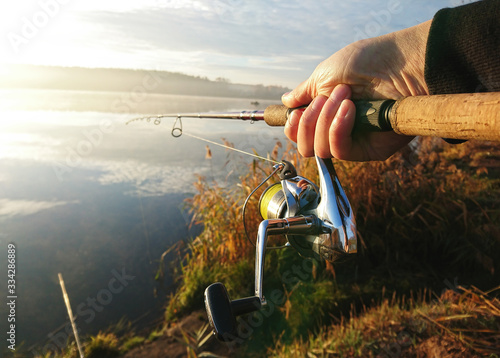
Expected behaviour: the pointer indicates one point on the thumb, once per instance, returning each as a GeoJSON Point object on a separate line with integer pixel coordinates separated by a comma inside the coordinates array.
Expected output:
{"type": "Point", "coordinates": [300, 96]}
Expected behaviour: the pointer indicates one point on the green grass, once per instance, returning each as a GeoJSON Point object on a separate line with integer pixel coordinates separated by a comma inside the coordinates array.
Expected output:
{"type": "Point", "coordinates": [131, 343]}
{"type": "Point", "coordinates": [102, 345]}
{"type": "Point", "coordinates": [155, 334]}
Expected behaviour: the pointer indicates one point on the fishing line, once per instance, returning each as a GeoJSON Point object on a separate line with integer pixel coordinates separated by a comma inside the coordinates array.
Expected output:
{"type": "Point", "coordinates": [243, 211]}
{"type": "Point", "coordinates": [231, 148]}
{"type": "Point", "coordinates": [177, 131]}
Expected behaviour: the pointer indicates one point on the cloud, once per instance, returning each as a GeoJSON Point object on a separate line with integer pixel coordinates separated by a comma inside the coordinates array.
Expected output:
{"type": "Point", "coordinates": [11, 207]}
{"type": "Point", "coordinates": [257, 28]}
{"type": "Point", "coordinates": [274, 40]}
{"type": "Point", "coordinates": [287, 38]}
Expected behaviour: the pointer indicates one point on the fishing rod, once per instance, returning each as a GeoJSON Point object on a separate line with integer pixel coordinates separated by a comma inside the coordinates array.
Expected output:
{"type": "Point", "coordinates": [455, 116]}
{"type": "Point", "coordinates": [318, 221]}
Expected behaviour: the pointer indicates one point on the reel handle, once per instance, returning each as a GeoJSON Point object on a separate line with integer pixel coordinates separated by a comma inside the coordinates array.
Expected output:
{"type": "Point", "coordinates": [222, 311]}
{"type": "Point", "coordinates": [371, 116]}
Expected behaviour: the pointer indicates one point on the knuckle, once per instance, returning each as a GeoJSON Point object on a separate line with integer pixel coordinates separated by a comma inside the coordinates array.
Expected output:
{"type": "Point", "coordinates": [323, 152]}
{"type": "Point", "coordinates": [308, 126]}
{"type": "Point", "coordinates": [306, 151]}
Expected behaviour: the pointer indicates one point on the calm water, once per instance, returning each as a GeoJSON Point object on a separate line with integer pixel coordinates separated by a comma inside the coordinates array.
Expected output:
{"type": "Point", "coordinates": [84, 194]}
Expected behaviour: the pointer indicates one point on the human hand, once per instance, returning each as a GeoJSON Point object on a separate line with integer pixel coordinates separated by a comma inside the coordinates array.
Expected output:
{"type": "Point", "coordinates": [389, 66]}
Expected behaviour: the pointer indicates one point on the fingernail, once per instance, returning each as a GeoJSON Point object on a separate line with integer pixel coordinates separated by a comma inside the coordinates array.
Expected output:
{"type": "Point", "coordinates": [286, 94]}
{"type": "Point", "coordinates": [344, 110]}
{"type": "Point", "coordinates": [317, 103]}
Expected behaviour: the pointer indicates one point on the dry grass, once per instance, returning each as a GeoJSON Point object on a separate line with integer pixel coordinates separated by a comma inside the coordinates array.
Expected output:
{"type": "Point", "coordinates": [465, 324]}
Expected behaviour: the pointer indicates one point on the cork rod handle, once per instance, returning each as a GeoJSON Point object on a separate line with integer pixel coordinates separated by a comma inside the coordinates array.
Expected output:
{"type": "Point", "coordinates": [456, 116]}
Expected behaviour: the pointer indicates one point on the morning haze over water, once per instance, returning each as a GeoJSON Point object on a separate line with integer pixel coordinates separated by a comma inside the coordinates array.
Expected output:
{"type": "Point", "coordinates": [85, 194]}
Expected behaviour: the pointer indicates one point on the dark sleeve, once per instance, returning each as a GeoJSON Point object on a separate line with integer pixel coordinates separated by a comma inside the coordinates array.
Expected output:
{"type": "Point", "coordinates": [463, 49]}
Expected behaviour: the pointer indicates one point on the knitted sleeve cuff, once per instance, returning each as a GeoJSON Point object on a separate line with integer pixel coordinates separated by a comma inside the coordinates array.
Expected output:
{"type": "Point", "coordinates": [463, 49]}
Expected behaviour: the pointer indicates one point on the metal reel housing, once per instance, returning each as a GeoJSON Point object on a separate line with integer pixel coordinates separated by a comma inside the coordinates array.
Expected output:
{"type": "Point", "coordinates": [298, 196]}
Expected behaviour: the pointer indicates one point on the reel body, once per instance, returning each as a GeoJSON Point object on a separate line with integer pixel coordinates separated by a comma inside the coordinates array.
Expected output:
{"type": "Point", "coordinates": [317, 221]}
{"type": "Point", "coordinates": [299, 196]}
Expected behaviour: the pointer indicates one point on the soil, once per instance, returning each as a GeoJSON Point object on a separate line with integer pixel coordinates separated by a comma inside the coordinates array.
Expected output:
{"type": "Point", "coordinates": [439, 347]}
{"type": "Point", "coordinates": [173, 345]}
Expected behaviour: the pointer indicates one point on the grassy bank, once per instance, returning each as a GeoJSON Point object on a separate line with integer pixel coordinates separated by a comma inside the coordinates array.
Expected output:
{"type": "Point", "coordinates": [425, 280]}
{"type": "Point", "coordinates": [427, 220]}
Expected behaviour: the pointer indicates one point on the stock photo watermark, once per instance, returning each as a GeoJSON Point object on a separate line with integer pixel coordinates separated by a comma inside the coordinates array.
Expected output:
{"type": "Point", "coordinates": [378, 20]}
{"type": "Point", "coordinates": [32, 25]}
{"type": "Point", "coordinates": [11, 296]}
{"type": "Point", "coordinates": [91, 139]}
{"type": "Point", "coordinates": [87, 311]}
{"type": "Point", "coordinates": [247, 326]}
{"type": "Point", "coordinates": [130, 100]}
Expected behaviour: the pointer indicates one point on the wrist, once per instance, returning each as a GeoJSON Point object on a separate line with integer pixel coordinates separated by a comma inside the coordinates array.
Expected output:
{"type": "Point", "coordinates": [412, 43]}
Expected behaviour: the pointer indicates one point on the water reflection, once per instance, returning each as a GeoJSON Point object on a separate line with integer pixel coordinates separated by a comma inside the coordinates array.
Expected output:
{"type": "Point", "coordinates": [83, 194]}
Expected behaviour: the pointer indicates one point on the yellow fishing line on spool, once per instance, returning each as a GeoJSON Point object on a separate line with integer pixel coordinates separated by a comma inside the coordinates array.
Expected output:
{"type": "Point", "coordinates": [266, 198]}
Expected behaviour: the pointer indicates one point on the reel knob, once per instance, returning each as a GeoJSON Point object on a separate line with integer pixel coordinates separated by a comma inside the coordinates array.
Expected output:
{"type": "Point", "coordinates": [222, 311]}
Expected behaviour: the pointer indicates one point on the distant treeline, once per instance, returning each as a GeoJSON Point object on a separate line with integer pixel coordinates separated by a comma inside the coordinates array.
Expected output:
{"type": "Point", "coordinates": [123, 80]}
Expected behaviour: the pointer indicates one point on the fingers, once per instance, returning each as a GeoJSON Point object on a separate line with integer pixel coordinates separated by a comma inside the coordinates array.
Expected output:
{"type": "Point", "coordinates": [362, 147]}
{"type": "Point", "coordinates": [292, 124]}
{"type": "Point", "coordinates": [306, 131]}
{"type": "Point", "coordinates": [340, 139]}
{"type": "Point", "coordinates": [334, 110]}
{"type": "Point", "coordinates": [325, 117]}
{"type": "Point", "coordinates": [301, 126]}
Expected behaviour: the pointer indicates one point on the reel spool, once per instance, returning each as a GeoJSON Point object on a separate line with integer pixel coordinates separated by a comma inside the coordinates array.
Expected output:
{"type": "Point", "coordinates": [272, 203]}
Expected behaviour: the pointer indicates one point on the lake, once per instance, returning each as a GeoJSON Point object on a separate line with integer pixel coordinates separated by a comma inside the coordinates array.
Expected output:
{"type": "Point", "coordinates": [84, 194]}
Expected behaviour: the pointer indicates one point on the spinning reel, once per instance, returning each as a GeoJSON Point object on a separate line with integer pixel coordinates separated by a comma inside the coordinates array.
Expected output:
{"type": "Point", "coordinates": [318, 223]}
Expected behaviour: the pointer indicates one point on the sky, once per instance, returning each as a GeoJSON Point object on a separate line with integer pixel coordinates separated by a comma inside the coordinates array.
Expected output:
{"type": "Point", "coordinates": [273, 42]}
